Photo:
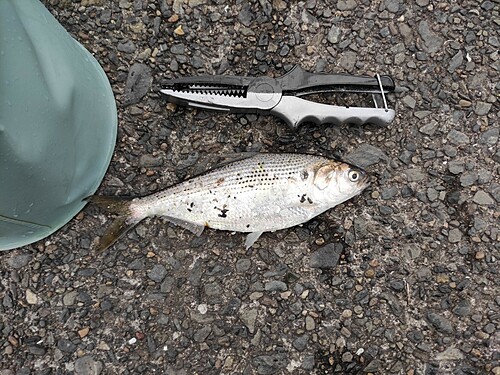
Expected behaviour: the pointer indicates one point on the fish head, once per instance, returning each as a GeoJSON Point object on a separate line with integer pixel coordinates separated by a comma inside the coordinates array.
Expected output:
{"type": "Point", "coordinates": [337, 181]}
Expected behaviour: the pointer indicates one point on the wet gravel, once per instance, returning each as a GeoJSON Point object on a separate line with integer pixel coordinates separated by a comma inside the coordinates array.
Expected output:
{"type": "Point", "coordinates": [400, 280]}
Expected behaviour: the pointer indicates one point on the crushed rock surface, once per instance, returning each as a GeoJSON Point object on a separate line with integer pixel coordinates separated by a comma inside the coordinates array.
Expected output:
{"type": "Point", "coordinates": [415, 287]}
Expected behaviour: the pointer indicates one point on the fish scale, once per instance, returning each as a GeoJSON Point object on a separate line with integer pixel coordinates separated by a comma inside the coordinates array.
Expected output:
{"type": "Point", "coordinates": [264, 192]}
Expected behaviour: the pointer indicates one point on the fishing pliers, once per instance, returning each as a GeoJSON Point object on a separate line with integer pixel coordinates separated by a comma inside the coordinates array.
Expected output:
{"type": "Point", "coordinates": [283, 96]}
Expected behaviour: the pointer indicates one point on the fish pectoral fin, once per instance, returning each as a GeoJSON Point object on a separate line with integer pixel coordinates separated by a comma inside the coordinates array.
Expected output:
{"type": "Point", "coordinates": [251, 238]}
{"type": "Point", "coordinates": [194, 228]}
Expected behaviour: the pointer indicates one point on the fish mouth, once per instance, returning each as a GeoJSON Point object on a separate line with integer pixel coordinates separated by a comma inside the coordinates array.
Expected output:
{"type": "Point", "coordinates": [365, 181]}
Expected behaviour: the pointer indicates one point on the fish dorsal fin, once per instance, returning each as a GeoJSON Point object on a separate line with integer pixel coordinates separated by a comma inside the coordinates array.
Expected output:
{"type": "Point", "coordinates": [251, 238]}
{"type": "Point", "coordinates": [324, 175]}
{"type": "Point", "coordinates": [194, 228]}
{"type": "Point", "coordinates": [232, 157]}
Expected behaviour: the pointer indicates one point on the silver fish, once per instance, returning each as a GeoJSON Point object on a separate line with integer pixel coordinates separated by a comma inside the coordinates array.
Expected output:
{"type": "Point", "coordinates": [261, 193]}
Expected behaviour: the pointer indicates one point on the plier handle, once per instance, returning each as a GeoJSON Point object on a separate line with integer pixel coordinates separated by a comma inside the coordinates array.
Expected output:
{"type": "Point", "coordinates": [282, 96]}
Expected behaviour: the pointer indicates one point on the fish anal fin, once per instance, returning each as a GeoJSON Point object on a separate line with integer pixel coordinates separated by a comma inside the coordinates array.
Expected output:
{"type": "Point", "coordinates": [194, 228]}
{"type": "Point", "coordinates": [120, 226]}
{"type": "Point", "coordinates": [251, 238]}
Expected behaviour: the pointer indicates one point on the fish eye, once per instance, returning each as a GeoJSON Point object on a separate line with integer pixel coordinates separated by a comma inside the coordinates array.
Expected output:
{"type": "Point", "coordinates": [353, 175]}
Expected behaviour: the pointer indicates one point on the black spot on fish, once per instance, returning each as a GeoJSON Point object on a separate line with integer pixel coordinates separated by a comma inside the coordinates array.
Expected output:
{"type": "Point", "coordinates": [304, 174]}
{"type": "Point", "coordinates": [223, 212]}
{"type": "Point", "coordinates": [309, 200]}
{"type": "Point", "coordinates": [303, 198]}
{"type": "Point", "coordinates": [191, 204]}
{"type": "Point", "coordinates": [248, 225]}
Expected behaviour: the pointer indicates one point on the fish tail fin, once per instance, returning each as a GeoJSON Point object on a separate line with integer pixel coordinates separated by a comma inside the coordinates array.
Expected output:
{"type": "Point", "coordinates": [124, 221]}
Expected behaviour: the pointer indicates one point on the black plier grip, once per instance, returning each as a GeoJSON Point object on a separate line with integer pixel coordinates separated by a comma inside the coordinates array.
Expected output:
{"type": "Point", "coordinates": [283, 96]}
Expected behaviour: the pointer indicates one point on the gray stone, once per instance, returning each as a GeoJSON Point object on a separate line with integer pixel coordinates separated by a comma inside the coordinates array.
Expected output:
{"type": "Point", "coordinates": [213, 289]}
{"type": "Point", "coordinates": [137, 264]}
{"type": "Point", "coordinates": [105, 16]}
{"type": "Point", "coordinates": [66, 346]}
{"type": "Point", "coordinates": [456, 166]}
{"type": "Point", "coordinates": [360, 227]}
{"type": "Point", "coordinates": [482, 108]}
{"type": "Point", "coordinates": [245, 15]}
{"type": "Point", "coordinates": [347, 60]}
{"type": "Point", "coordinates": [36, 349]}
{"type": "Point", "coordinates": [157, 273]}
{"type": "Point", "coordinates": [468, 179]}
{"type": "Point", "coordinates": [300, 343]}
{"type": "Point", "coordinates": [440, 323]}
{"type": "Point", "coordinates": [243, 265]}
{"type": "Point", "coordinates": [18, 261]}
{"type": "Point", "coordinates": [482, 198]}
{"type": "Point", "coordinates": [424, 274]}
{"type": "Point", "coordinates": [327, 256]}
{"type": "Point", "coordinates": [195, 3]}
{"type": "Point", "coordinates": [346, 5]}
{"type": "Point", "coordinates": [457, 137]}
{"type": "Point", "coordinates": [310, 323]}
{"type": "Point", "coordinates": [429, 128]}
{"type": "Point", "coordinates": [422, 114]}
{"type": "Point", "coordinates": [178, 49]}
{"type": "Point", "coordinates": [202, 334]}
{"type": "Point", "coordinates": [411, 252]}
{"type": "Point", "coordinates": [454, 235]}
{"type": "Point", "coordinates": [104, 290]}
{"type": "Point", "coordinates": [479, 224]}
{"type": "Point", "coordinates": [463, 308]}
{"type": "Point", "coordinates": [308, 18]}
{"type": "Point", "coordinates": [409, 101]}
{"type": "Point", "coordinates": [495, 191]}
{"type": "Point", "coordinates": [414, 174]}
{"type": "Point", "coordinates": [167, 284]}
{"type": "Point", "coordinates": [406, 156]}
{"type": "Point", "coordinates": [197, 62]}
{"type": "Point", "coordinates": [366, 155]}
{"type": "Point", "coordinates": [333, 36]}
{"type": "Point", "coordinates": [490, 136]}
{"type": "Point", "coordinates": [149, 161]}
{"type": "Point", "coordinates": [388, 192]}
{"type": "Point", "coordinates": [249, 317]}
{"type": "Point", "coordinates": [496, 157]}
{"type": "Point", "coordinates": [69, 298]}
{"type": "Point", "coordinates": [374, 366]}
{"type": "Point", "coordinates": [397, 285]}
{"type": "Point", "coordinates": [138, 83]}
{"type": "Point", "coordinates": [392, 5]}
{"type": "Point", "coordinates": [275, 286]}
{"type": "Point", "coordinates": [285, 50]}
{"type": "Point", "coordinates": [432, 41]}
{"type": "Point", "coordinates": [450, 354]}
{"type": "Point", "coordinates": [269, 364]}
{"type": "Point", "coordinates": [126, 47]}
{"type": "Point", "coordinates": [456, 61]}
{"type": "Point", "coordinates": [308, 362]}
{"type": "Point", "coordinates": [450, 151]}
{"type": "Point", "coordinates": [86, 365]}
{"type": "Point", "coordinates": [393, 302]}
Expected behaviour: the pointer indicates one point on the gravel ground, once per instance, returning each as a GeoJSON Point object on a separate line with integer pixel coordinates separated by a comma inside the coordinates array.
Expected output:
{"type": "Point", "coordinates": [400, 280]}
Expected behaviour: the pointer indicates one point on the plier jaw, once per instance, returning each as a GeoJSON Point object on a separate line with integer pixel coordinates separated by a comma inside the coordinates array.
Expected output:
{"type": "Point", "coordinates": [225, 93]}
{"type": "Point", "coordinates": [283, 96]}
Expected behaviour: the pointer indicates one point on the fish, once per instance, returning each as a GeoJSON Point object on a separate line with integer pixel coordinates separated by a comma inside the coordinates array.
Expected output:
{"type": "Point", "coordinates": [263, 192]}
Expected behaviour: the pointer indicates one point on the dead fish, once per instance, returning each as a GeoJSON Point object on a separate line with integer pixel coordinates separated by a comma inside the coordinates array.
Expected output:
{"type": "Point", "coordinates": [261, 193]}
